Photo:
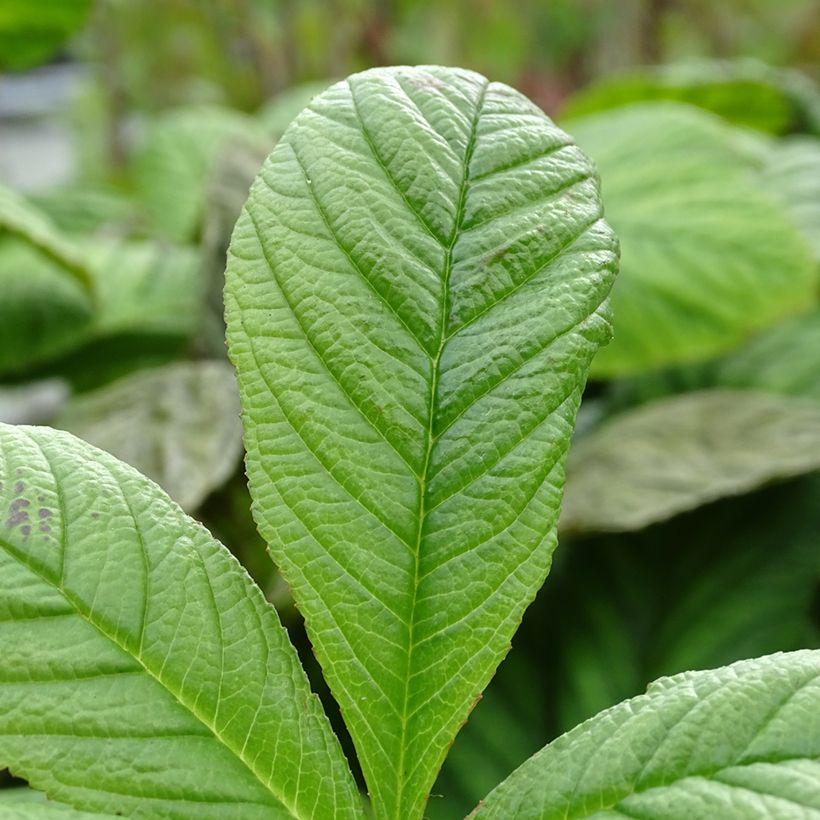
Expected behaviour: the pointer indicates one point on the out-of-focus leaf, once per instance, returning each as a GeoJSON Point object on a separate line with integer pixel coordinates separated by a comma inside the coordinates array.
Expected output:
{"type": "Point", "coordinates": [178, 424]}
{"type": "Point", "coordinates": [745, 93]}
{"type": "Point", "coordinates": [738, 743]}
{"type": "Point", "coordinates": [32, 30]}
{"type": "Point", "coordinates": [277, 114]}
{"type": "Point", "coordinates": [173, 167]}
{"type": "Point", "coordinates": [674, 454]}
{"type": "Point", "coordinates": [785, 359]}
{"type": "Point", "coordinates": [43, 312]}
{"type": "Point", "coordinates": [792, 174]}
{"type": "Point", "coordinates": [234, 170]}
{"type": "Point", "coordinates": [33, 403]}
{"type": "Point", "coordinates": [26, 222]}
{"type": "Point", "coordinates": [82, 209]}
{"type": "Point", "coordinates": [706, 256]}
{"type": "Point", "coordinates": [22, 803]}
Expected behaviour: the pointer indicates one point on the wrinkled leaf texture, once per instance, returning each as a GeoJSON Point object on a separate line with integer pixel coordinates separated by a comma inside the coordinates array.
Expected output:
{"type": "Point", "coordinates": [142, 672]}
{"type": "Point", "coordinates": [415, 290]}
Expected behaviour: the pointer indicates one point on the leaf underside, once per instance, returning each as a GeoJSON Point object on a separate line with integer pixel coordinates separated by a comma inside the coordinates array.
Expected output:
{"type": "Point", "coordinates": [142, 672]}
{"type": "Point", "coordinates": [737, 743]}
{"type": "Point", "coordinates": [414, 292]}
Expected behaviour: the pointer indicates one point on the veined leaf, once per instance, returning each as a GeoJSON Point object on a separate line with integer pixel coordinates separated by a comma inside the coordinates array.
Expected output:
{"type": "Point", "coordinates": [674, 454]}
{"type": "Point", "coordinates": [179, 425]}
{"type": "Point", "coordinates": [738, 743]}
{"type": "Point", "coordinates": [142, 672]}
{"type": "Point", "coordinates": [415, 290]}
{"type": "Point", "coordinates": [708, 258]}
{"type": "Point", "coordinates": [21, 803]}
{"type": "Point", "coordinates": [22, 219]}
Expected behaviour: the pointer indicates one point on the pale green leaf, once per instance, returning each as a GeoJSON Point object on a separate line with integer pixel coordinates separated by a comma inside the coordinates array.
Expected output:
{"type": "Point", "coordinates": [179, 425]}
{"type": "Point", "coordinates": [26, 222]}
{"type": "Point", "coordinates": [676, 453]}
{"type": "Point", "coordinates": [792, 173]}
{"type": "Point", "coordinates": [142, 672]}
{"type": "Point", "coordinates": [415, 290]}
{"type": "Point", "coordinates": [737, 743]}
{"type": "Point", "coordinates": [707, 257]}
{"type": "Point", "coordinates": [173, 166]}
{"type": "Point", "coordinates": [21, 803]}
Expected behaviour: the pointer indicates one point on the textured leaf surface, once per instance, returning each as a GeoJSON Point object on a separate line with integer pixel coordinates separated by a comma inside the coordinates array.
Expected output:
{"type": "Point", "coordinates": [739, 743]}
{"type": "Point", "coordinates": [707, 257]}
{"type": "Point", "coordinates": [21, 803]}
{"type": "Point", "coordinates": [179, 425]}
{"type": "Point", "coordinates": [173, 167]}
{"type": "Point", "coordinates": [415, 290]}
{"type": "Point", "coordinates": [142, 672]}
{"type": "Point", "coordinates": [677, 453]}
{"type": "Point", "coordinates": [25, 221]}
{"type": "Point", "coordinates": [792, 173]}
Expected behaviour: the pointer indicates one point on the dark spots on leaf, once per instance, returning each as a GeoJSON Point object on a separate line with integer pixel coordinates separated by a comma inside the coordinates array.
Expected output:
{"type": "Point", "coordinates": [95, 515]}
{"type": "Point", "coordinates": [43, 512]}
{"type": "Point", "coordinates": [26, 530]}
{"type": "Point", "coordinates": [44, 527]}
{"type": "Point", "coordinates": [19, 487]}
{"type": "Point", "coordinates": [18, 514]}
{"type": "Point", "coordinates": [41, 499]}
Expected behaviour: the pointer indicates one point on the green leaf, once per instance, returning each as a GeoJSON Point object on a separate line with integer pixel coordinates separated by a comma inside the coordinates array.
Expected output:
{"type": "Point", "coordinates": [43, 312]}
{"type": "Point", "coordinates": [785, 359]}
{"type": "Point", "coordinates": [737, 743]}
{"type": "Point", "coordinates": [707, 257]}
{"type": "Point", "coordinates": [173, 165]}
{"type": "Point", "coordinates": [415, 290]}
{"type": "Point", "coordinates": [792, 174]}
{"type": "Point", "coordinates": [142, 671]}
{"type": "Point", "coordinates": [178, 425]}
{"type": "Point", "coordinates": [26, 222]}
{"type": "Point", "coordinates": [746, 93]}
{"type": "Point", "coordinates": [21, 803]}
{"type": "Point", "coordinates": [674, 454]}
{"type": "Point", "coordinates": [30, 33]}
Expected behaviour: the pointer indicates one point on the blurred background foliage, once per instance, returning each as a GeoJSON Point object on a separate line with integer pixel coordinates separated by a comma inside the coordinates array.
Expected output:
{"type": "Point", "coordinates": [130, 131]}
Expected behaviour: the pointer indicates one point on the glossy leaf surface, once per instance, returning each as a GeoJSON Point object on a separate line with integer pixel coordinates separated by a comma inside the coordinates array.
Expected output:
{"type": "Point", "coordinates": [415, 290]}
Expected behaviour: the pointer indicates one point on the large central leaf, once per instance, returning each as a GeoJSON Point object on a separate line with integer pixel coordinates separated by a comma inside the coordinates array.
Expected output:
{"type": "Point", "coordinates": [415, 290]}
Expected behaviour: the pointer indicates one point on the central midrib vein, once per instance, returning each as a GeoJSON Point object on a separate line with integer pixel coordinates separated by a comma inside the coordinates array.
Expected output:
{"type": "Point", "coordinates": [399, 812]}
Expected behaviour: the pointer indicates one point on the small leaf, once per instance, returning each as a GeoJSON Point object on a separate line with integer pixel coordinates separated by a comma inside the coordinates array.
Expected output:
{"type": "Point", "coordinates": [179, 425]}
{"type": "Point", "coordinates": [674, 454]}
{"type": "Point", "coordinates": [738, 743]}
{"type": "Point", "coordinates": [707, 257]}
{"type": "Point", "coordinates": [415, 290]}
{"type": "Point", "coordinates": [142, 672]}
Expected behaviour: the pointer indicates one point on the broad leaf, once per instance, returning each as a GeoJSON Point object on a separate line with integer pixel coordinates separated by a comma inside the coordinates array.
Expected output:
{"type": "Point", "coordinates": [745, 93]}
{"type": "Point", "coordinates": [25, 221]}
{"type": "Point", "coordinates": [792, 174]}
{"type": "Point", "coordinates": [179, 425]}
{"type": "Point", "coordinates": [415, 290]}
{"type": "Point", "coordinates": [707, 257]}
{"type": "Point", "coordinates": [173, 166]}
{"type": "Point", "coordinates": [21, 803]}
{"type": "Point", "coordinates": [738, 743]}
{"type": "Point", "coordinates": [677, 453]}
{"type": "Point", "coordinates": [142, 672]}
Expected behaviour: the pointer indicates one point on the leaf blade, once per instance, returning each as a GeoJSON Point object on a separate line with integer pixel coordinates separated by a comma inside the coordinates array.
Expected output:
{"type": "Point", "coordinates": [142, 670]}
{"type": "Point", "coordinates": [407, 219]}
{"type": "Point", "coordinates": [688, 755]}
